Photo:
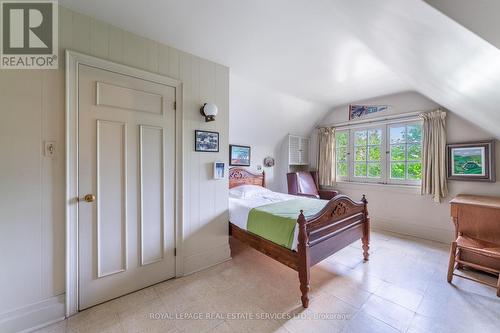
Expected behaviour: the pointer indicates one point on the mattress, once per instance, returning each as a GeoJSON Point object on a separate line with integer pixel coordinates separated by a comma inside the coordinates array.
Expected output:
{"type": "Point", "coordinates": [240, 207]}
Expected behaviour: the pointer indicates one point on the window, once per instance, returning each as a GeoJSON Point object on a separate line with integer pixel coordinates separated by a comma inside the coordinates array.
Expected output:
{"type": "Point", "coordinates": [388, 153]}
{"type": "Point", "coordinates": [342, 154]}
{"type": "Point", "coordinates": [367, 153]}
{"type": "Point", "coordinates": [405, 152]}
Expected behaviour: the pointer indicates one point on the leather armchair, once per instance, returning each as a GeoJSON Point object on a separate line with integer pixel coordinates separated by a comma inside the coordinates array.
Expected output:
{"type": "Point", "coordinates": [305, 183]}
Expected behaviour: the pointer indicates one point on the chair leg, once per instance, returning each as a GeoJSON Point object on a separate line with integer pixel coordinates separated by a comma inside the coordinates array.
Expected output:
{"type": "Point", "coordinates": [451, 264]}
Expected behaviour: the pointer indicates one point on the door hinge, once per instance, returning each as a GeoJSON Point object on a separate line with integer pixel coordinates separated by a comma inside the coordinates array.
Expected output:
{"type": "Point", "coordinates": [175, 251]}
{"type": "Point", "coordinates": [175, 105]}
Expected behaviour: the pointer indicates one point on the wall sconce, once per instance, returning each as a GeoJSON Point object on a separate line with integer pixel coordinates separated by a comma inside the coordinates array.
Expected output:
{"type": "Point", "coordinates": [209, 111]}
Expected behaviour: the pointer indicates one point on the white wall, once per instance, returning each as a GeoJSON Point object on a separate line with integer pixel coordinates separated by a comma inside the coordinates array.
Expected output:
{"type": "Point", "coordinates": [32, 225]}
{"type": "Point", "coordinates": [403, 209]}
{"type": "Point", "coordinates": [262, 118]}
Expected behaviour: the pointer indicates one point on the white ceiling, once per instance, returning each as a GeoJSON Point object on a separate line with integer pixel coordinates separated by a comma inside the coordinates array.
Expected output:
{"type": "Point", "coordinates": [326, 51]}
{"type": "Point", "coordinates": [296, 47]}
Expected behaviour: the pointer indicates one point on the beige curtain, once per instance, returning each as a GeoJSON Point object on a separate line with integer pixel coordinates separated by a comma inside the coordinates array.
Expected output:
{"type": "Point", "coordinates": [434, 155]}
{"type": "Point", "coordinates": [326, 156]}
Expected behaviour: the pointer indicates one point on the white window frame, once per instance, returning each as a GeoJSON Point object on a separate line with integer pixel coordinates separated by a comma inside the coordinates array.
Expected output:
{"type": "Point", "coordinates": [353, 162]}
{"type": "Point", "coordinates": [348, 159]}
{"type": "Point", "coordinates": [384, 154]}
{"type": "Point", "coordinates": [388, 156]}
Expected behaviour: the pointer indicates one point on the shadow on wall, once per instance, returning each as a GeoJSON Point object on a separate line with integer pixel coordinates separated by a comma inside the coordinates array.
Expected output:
{"type": "Point", "coordinates": [278, 182]}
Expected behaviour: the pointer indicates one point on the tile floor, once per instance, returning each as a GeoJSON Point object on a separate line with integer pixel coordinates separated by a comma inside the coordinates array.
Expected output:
{"type": "Point", "coordinates": [402, 288]}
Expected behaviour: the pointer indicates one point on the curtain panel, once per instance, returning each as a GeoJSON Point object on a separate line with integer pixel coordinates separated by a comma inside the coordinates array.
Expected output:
{"type": "Point", "coordinates": [434, 155]}
{"type": "Point", "coordinates": [326, 156]}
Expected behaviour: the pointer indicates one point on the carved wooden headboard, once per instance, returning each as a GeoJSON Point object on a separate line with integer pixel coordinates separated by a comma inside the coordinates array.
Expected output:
{"type": "Point", "coordinates": [240, 176]}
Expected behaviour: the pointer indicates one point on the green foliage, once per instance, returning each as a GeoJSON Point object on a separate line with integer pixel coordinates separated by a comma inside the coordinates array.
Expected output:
{"type": "Point", "coordinates": [397, 152]}
{"type": "Point", "coordinates": [374, 137]}
{"type": "Point", "coordinates": [341, 139]}
{"type": "Point", "coordinates": [360, 153]}
{"type": "Point", "coordinates": [414, 152]}
{"type": "Point", "coordinates": [398, 170]}
{"type": "Point", "coordinates": [360, 169]}
{"type": "Point", "coordinates": [342, 169]}
{"type": "Point", "coordinates": [374, 153]}
{"type": "Point", "coordinates": [360, 138]}
{"type": "Point", "coordinates": [374, 170]}
{"type": "Point", "coordinates": [415, 171]}
{"type": "Point", "coordinates": [341, 154]}
{"type": "Point", "coordinates": [414, 133]}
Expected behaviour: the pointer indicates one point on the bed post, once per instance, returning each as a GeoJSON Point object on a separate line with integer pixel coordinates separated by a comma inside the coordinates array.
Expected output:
{"type": "Point", "coordinates": [366, 230]}
{"type": "Point", "coordinates": [304, 264]}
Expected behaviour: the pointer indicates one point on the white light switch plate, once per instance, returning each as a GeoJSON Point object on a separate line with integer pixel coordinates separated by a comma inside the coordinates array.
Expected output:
{"type": "Point", "coordinates": [50, 149]}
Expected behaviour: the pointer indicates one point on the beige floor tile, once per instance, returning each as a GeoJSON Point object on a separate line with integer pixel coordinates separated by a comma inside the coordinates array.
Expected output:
{"type": "Point", "coordinates": [407, 298]}
{"type": "Point", "coordinates": [390, 313]}
{"type": "Point", "coordinates": [349, 256]}
{"type": "Point", "coordinates": [363, 323]}
{"type": "Point", "coordinates": [199, 317]}
{"type": "Point", "coordinates": [326, 314]}
{"type": "Point", "coordinates": [404, 275]}
{"type": "Point", "coordinates": [348, 291]}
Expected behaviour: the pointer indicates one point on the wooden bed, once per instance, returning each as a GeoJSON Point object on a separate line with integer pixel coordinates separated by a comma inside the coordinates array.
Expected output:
{"type": "Point", "coordinates": [341, 222]}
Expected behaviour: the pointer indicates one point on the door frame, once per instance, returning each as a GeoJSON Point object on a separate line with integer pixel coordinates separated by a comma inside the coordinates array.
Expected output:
{"type": "Point", "coordinates": [73, 61]}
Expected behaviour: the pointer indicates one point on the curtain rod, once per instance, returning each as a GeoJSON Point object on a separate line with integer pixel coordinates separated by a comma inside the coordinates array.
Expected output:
{"type": "Point", "coordinates": [404, 116]}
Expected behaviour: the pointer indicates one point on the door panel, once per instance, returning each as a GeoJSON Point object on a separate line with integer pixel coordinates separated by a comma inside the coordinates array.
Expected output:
{"type": "Point", "coordinates": [111, 197]}
{"type": "Point", "coordinates": [126, 153]}
{"type": "Point", "coordinates": [152, 221]}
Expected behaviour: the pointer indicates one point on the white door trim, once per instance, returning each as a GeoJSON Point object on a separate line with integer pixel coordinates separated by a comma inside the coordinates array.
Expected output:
{"type": "Point", "coordinates": [73, 60]}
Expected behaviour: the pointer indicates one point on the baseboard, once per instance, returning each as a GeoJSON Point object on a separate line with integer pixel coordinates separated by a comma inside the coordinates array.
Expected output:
{"type": "Point", "coordinates": [413, 229]}
{"type": "Point", "coordinates": [33, 316]}
{"type": "Point", "coordinates": [205, 259]}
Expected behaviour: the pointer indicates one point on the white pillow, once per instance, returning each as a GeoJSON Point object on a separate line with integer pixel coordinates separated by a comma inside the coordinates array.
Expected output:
{"type": "Point", "coordinates": [247, 191]}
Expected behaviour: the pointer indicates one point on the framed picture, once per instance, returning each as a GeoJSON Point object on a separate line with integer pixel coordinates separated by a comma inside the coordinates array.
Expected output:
{"type": "Point", "coordinates": [206, 141]}
{"type": "Point", "coordinates": [239, 155]}
{"type": "Point", "coordinates": [357, 111]}
{"type": "Point", "coordinates": [471, 161]}
{"type": "Point", "coordinates": [219, 170]}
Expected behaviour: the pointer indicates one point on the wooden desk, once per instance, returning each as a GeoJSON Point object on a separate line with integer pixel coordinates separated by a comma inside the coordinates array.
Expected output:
{"type": "Point", "coordinates": [478, 217]}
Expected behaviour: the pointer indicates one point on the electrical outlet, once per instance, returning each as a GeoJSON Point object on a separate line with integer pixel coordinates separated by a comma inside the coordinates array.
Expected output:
{"type": "Point", "coordinates": [50, 149]}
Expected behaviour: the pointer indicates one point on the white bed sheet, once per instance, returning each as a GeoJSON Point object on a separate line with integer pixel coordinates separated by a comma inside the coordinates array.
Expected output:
{"type": "Point", "coordinates": [239, 209]}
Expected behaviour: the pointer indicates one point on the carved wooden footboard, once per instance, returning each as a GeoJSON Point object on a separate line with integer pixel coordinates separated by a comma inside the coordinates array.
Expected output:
{"type": "Point", "coordinates": [341, 222]}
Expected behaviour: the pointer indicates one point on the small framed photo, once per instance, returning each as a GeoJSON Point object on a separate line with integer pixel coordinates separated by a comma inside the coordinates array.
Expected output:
{"type": "Point", "coordinates": [239, 155]}
{"type": "Point", "coordinates": [219, 170]}
{"type": "Point", "coordinates": [471, 161]}
{"type": "Point", "coordinates": [206, 141]}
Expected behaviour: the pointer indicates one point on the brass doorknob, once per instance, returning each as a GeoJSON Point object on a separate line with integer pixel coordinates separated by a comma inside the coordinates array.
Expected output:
{"type": "Point", "coordinates": [89, 198]}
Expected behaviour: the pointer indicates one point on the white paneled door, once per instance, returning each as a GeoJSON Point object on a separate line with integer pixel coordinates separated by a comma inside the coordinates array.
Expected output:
{"type": "Point", "coordinates": [126, 165]}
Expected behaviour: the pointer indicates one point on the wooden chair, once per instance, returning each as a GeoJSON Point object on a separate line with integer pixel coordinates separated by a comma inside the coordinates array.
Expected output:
{"type": "Point", "coordinates": [477, 232]}
{"type": "Point", "coordinates": [478, 247]}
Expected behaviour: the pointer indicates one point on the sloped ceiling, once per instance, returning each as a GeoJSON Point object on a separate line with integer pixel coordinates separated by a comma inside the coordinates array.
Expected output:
{"type": "Point", "coordinates": [325, 52]}
{"type": "Point", "coordinates": [438, 57]}
{"type": "Point", "coordinates": [293, 47]}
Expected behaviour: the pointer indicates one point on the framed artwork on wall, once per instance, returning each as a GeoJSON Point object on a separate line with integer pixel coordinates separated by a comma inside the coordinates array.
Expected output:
{"type": "Point", "coordinates": [219, 170]}
{"type": "Point", "coordinates": [471, 161]}
{"type": "Point", "coordinates": [358, 111]}
{"type": "Point", "coordinates": [239, 155]}
{"type": "Point", "coordinates": [206, 141]}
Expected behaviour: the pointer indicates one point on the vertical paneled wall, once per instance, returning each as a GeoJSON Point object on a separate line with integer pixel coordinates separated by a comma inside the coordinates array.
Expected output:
{"type": "Point", "coordinates": [32, 187]}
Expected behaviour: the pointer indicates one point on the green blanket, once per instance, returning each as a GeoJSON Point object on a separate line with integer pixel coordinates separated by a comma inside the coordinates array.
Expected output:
{"type": "Point", "coordinates": [276, 222]}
